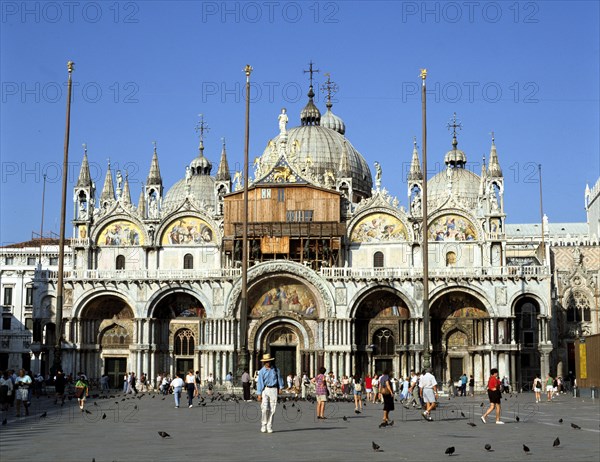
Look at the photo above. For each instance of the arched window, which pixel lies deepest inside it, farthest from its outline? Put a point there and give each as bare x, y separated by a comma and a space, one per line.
184, 342
378, 260
120, 264
188, 261
578, 307
450, 259
384, 342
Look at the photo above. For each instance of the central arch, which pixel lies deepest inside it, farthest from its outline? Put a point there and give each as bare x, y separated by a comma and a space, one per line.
288, 339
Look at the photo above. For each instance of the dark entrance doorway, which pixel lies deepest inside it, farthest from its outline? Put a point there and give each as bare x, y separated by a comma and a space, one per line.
456, 368
285, 360
183, 365
383, 365
116, 368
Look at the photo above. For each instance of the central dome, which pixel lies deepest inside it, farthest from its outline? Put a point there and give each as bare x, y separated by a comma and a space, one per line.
320, 149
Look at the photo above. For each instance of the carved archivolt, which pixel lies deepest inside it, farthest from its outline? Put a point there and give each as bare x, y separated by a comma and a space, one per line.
281, 269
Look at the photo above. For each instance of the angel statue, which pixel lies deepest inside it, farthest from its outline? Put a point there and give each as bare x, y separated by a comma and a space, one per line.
377, 175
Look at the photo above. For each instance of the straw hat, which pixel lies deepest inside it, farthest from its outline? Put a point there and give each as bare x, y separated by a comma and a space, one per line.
267, 358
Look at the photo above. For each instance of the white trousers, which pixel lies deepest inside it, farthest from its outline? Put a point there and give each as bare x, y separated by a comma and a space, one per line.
268, 406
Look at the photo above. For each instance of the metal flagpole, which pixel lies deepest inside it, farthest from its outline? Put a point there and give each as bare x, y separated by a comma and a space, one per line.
42, 223
542, 217
425, 231
57, 364
243, 359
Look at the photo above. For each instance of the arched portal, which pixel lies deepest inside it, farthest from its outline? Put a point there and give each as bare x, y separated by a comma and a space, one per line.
105, 332
285, 340
459, 328
527, 334
178, 318
381, 327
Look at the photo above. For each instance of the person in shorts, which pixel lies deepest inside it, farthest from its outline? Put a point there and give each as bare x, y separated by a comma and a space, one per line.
537, 388
321, 391
357, 391
428, 392
495, 396
82, 390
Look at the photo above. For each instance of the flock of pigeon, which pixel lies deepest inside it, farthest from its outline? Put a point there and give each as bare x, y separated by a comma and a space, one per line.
232, 398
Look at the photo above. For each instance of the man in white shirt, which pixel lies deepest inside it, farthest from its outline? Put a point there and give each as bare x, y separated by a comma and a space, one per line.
177, 386
428, 388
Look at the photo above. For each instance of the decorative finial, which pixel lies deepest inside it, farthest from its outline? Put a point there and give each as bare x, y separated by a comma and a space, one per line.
108, 163
248, 70
493, 139
154, 144
223, 140
329, 87
454, 125
311, 71
415, 142
70, 66
423, 74
84, 148
201, 128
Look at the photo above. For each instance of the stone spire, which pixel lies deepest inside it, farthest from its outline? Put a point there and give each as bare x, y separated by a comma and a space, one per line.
126, 195
344, 170
85, 179
494, 169
108, 190
154, 177
483, 178
223, 171
141, 208
415, 173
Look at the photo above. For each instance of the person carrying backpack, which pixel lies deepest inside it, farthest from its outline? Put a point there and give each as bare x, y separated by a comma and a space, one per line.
82, 390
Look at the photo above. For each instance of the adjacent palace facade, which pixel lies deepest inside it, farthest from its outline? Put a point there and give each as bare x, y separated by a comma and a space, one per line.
335, 270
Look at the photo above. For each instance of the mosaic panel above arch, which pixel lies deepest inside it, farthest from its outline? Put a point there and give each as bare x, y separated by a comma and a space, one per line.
458, 305
382, 306
121, 233
452, 227
379, 227
280, 295
188, 230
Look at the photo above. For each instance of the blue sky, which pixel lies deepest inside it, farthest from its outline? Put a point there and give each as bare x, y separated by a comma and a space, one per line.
529, 71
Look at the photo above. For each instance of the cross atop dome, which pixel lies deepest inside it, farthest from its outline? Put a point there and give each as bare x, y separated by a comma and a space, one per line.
311, 71
330, 88
454, 125
201, 128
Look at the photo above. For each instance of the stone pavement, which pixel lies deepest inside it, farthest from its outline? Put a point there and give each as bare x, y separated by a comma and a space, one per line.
226, 430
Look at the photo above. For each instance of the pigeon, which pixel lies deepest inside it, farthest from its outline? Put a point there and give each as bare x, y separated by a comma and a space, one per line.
153, 396
43, 415
450, 450
481, 405
284, 407
103, 416
4, 422
488, 447
345, 418
164, 398
575, 426
164, 435
560, 420
376, 447
556, 443
356, 411
383, 424
462, 414
293, 404
87, 412
517, 418
471, 424
95, 403
526, 449
135, 407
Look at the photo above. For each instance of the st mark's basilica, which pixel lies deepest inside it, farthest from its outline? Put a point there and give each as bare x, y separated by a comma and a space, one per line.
335, 267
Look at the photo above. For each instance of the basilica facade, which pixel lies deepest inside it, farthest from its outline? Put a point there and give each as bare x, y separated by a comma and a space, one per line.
335, 274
